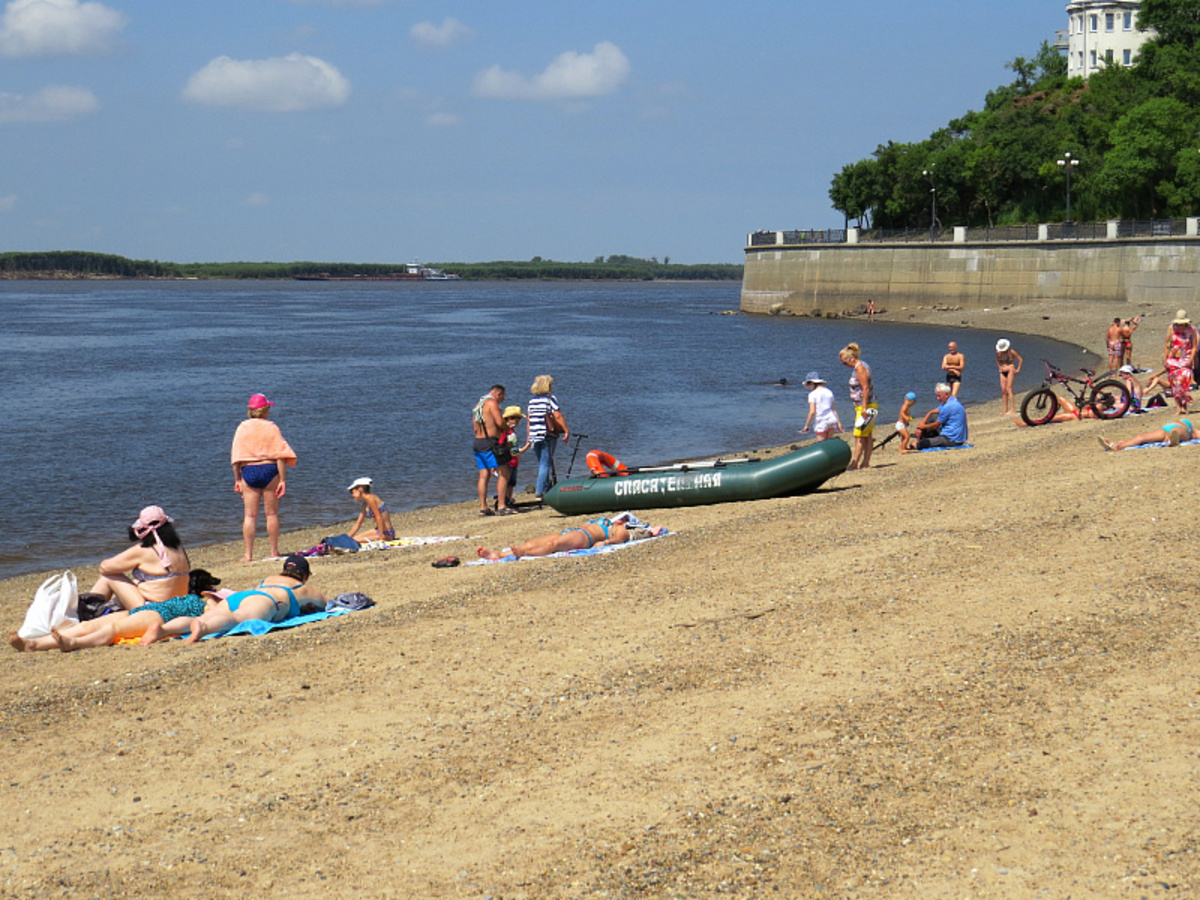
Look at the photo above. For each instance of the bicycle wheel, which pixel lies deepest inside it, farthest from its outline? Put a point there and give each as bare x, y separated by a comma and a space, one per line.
1039, 406
1110, 400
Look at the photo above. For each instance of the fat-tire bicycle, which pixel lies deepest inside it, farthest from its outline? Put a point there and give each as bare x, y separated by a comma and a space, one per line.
1108, 398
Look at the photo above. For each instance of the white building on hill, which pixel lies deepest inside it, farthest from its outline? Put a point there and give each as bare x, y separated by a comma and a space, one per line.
1100, 33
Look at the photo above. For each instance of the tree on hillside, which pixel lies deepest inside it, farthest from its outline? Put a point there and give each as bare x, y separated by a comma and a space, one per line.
1176, 22
1137, 177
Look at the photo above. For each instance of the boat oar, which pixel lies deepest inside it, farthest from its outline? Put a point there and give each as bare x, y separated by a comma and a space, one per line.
575, 452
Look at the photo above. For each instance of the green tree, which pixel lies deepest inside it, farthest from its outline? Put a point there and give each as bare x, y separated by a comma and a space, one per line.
1137, 176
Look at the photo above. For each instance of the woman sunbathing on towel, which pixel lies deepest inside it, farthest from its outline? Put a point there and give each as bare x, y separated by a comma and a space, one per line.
272, 601
595, 533
1173, 433
144, 623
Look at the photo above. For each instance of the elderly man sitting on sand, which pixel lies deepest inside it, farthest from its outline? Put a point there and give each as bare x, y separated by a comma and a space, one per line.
594, 533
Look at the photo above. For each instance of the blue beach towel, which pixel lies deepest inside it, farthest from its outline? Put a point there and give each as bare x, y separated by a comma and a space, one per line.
934, 449
262, 626
1163, 444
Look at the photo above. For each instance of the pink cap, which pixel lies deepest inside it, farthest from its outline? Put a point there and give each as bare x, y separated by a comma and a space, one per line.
258, 401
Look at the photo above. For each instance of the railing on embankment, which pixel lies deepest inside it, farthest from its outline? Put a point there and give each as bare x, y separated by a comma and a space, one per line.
836, 272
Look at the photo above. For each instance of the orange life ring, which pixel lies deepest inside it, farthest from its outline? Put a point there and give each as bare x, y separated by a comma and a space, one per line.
604, 464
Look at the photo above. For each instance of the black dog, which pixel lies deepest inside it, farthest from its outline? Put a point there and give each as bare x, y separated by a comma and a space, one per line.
202, 580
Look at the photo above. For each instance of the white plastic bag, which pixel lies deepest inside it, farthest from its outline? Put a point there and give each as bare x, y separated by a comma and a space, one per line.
55, 602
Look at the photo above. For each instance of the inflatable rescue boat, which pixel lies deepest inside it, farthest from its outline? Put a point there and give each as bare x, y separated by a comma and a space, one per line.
699, 483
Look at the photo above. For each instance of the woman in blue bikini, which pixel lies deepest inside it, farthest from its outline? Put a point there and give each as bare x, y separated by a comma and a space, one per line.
273, 600
595, 533
1172, 433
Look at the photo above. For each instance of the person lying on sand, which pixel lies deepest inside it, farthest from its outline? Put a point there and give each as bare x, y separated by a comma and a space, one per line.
144, 622
273, 600
1173, 433
594, 533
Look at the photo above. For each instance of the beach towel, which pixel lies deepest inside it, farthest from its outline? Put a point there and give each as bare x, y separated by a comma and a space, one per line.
260, 439
411, 542
322, 549
1163, 444
630, 520
261, 626
959, 447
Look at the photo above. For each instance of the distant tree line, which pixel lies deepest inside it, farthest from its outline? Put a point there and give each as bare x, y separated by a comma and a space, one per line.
72, 264
78, 264
1135, 131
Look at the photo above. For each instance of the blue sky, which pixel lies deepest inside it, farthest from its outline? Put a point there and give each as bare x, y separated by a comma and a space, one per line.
393, 130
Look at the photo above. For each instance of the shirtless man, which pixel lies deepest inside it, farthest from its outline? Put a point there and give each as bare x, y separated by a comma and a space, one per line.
953, 364
595, 533
1115, 344
1128, 327
488, 423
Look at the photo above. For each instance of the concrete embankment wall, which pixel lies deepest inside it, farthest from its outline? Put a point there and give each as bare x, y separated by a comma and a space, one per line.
833, 279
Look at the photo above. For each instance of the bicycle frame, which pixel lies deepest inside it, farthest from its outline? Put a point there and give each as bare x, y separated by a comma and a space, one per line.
1056, 376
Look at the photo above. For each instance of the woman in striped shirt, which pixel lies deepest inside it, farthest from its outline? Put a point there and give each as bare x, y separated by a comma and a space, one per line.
544, 424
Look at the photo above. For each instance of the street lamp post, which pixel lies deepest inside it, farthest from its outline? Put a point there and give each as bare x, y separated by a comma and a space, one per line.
928, 173
1067, 163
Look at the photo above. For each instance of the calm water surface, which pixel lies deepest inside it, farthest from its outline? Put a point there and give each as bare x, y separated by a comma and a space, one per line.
118, 395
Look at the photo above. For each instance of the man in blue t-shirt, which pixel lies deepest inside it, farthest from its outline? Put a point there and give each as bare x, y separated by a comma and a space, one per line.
951, 422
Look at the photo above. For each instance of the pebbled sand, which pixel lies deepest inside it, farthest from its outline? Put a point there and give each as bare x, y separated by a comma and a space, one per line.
959, 674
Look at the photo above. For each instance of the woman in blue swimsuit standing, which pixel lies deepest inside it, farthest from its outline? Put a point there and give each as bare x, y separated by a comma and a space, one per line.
274, 600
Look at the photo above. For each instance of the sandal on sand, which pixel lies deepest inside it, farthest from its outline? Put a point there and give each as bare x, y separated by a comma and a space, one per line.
486, 512
508, 511
1107, 445
447, 562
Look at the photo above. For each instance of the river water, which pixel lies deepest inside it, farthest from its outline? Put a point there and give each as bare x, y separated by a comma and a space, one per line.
117, 395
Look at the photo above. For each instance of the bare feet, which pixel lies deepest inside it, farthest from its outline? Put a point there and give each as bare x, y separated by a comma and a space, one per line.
247, 558
152, 635
196, 632
485, 553
65, 643
17, 642
1107, 445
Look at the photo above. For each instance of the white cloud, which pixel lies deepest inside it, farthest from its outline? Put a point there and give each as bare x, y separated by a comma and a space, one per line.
442, 119
570, 76
289, 84
440, 37
8, 202
49, 27
258, 199
57, 103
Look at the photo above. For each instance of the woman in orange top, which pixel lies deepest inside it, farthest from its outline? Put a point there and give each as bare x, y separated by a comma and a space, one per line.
260, 458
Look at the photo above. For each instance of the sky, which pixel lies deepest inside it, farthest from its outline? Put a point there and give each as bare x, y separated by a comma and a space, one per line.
388, 131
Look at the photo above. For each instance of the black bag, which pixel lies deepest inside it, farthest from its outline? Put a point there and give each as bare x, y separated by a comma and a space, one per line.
93, 606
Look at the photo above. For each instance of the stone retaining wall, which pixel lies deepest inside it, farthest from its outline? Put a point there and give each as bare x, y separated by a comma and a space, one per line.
830, 280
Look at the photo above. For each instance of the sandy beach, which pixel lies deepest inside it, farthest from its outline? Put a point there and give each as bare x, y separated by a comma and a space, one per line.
969, 673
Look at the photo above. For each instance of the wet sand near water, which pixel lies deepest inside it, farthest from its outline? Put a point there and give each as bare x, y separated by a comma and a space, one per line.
962, 673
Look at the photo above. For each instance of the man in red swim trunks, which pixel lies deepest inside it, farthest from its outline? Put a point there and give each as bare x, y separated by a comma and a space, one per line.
1115, 344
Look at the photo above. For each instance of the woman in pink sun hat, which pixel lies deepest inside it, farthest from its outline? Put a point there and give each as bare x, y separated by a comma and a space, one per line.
155, 568
260, 458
